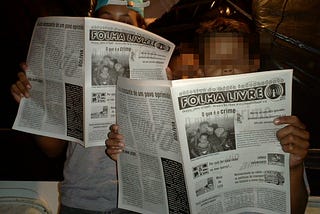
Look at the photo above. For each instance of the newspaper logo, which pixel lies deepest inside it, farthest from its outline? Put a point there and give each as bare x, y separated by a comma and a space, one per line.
162, 46
116, 36
274, 91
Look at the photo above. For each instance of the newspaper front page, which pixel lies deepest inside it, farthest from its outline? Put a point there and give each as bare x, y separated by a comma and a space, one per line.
221, 138
74, 63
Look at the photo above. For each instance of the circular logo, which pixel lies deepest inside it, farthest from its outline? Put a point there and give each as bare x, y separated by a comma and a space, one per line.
274, 91
162, 46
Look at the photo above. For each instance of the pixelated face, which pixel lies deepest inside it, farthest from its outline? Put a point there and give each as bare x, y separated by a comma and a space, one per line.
225, 54
119, 13
219, 54
189, 63
185, 64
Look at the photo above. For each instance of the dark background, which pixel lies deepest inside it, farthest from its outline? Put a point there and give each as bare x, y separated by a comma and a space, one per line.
20, 157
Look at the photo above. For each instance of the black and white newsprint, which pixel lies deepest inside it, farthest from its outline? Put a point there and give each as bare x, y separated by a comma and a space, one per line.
204, 145
74, 64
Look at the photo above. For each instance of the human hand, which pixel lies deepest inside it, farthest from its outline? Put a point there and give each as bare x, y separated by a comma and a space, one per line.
114, 143
294, 139
21, 88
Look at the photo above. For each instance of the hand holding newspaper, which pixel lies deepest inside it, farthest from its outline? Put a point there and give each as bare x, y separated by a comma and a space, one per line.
204, 145
74, 65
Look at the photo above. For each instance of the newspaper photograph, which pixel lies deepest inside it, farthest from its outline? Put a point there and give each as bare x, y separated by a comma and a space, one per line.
229, 155
74, 64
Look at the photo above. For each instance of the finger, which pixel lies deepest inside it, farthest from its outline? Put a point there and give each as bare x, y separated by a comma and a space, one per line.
291, 120
24, 66
292, 133
113, 149
297, 154
115, 136
290, 145
22, 89
16, 93
114, 144
112, 156
295, 146
295, 141
114, 128
24, 80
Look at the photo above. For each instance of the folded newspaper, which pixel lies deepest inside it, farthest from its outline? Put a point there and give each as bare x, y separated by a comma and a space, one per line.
204, 145
74, 63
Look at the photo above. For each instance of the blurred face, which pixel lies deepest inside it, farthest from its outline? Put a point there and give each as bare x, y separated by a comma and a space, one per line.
120, 13
221, 54
225, 54
186, 63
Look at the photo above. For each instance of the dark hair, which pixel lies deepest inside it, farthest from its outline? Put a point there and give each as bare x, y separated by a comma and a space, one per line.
224, 25
239, 27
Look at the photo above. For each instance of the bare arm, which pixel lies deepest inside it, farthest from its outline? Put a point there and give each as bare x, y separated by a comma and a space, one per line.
299, 194
294, 139
52, 147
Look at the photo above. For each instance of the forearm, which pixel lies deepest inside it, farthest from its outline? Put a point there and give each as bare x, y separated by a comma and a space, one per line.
299, 194
52, 147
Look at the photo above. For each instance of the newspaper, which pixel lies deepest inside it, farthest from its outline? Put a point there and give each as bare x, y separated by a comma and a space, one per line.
74, 63
239, 166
